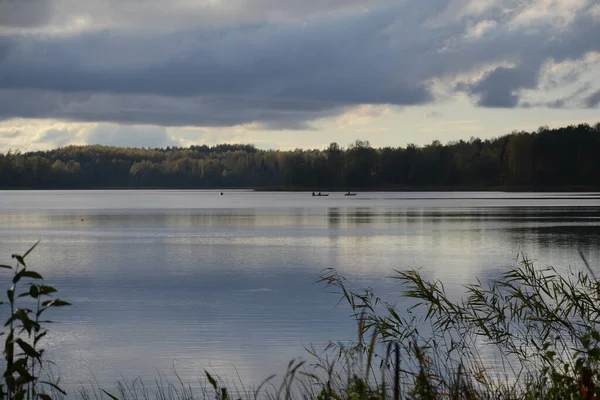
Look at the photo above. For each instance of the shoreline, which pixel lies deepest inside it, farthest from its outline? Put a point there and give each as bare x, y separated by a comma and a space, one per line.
509, 189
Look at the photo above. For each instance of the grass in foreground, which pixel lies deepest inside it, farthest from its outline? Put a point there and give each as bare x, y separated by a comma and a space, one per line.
529, 334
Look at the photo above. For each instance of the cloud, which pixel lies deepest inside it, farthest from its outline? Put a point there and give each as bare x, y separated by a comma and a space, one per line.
28, 134
434, 114
595, 11
208, 110
343, 60
558, 75
61, 15
129, 136
56, 137
573, 100
356, 119
499, 87
480, 29
593, 100
37, 134
27, 13
280, 65
280, 75
558, 13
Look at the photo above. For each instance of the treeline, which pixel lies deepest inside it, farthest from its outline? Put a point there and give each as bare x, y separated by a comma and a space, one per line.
548, 158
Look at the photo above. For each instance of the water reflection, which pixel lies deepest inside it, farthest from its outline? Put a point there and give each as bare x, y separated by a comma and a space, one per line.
230, 281
334, 217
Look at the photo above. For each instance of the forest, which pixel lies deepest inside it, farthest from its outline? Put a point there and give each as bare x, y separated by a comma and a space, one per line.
563, 158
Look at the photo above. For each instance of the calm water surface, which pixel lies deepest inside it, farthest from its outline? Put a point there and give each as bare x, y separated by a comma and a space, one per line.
196, 280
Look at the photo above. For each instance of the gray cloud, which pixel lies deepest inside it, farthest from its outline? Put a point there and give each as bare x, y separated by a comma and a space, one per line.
159, 110
559, 103
58, 137
528, 50
129, 136
161, 15
342, 60
282, 72
570, 77
571, 101
499, 87
280, 75
434, 114
25, 13
10, 134
593, 100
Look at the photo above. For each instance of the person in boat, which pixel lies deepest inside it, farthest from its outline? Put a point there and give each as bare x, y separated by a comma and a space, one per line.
319, 193
314, 194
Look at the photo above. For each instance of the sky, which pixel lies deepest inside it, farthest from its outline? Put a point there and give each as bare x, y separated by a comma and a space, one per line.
292, 74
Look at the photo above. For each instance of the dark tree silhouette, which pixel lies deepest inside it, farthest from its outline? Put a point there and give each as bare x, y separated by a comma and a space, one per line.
567, 157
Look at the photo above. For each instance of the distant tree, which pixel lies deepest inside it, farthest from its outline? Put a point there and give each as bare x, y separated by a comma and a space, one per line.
564, 156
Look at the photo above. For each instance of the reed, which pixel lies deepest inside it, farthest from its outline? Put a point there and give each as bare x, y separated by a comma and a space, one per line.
23, 370
531, 333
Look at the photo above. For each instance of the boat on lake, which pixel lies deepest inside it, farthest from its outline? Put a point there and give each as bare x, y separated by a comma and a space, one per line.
349, 194
320, 194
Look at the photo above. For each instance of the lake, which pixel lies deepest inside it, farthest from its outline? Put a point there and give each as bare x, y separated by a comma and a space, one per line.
193, 280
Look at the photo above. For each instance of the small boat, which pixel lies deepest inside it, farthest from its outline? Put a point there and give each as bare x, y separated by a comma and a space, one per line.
320, 194
349, 194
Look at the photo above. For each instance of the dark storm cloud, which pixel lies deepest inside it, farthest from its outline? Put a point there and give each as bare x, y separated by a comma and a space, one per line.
338, 60
279, 74
157, 110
